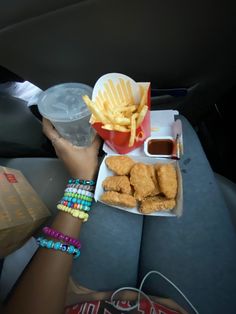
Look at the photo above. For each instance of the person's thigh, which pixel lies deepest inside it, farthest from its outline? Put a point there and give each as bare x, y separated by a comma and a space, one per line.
110, 238
196, 251
110, 249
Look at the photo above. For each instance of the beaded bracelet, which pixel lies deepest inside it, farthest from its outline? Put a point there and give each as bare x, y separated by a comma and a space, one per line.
68, 196
74, 203
78, 197
78, 192
84, 182
58, 246
83, 187
74, 212
61, 236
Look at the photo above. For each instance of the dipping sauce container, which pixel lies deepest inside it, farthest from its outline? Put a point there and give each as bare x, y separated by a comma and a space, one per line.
159, 146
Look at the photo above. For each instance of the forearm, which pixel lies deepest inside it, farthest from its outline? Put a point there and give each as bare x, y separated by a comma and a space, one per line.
42, 289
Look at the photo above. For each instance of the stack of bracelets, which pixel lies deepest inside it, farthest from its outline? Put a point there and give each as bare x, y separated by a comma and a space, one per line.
77, 201
66, 244
78, 197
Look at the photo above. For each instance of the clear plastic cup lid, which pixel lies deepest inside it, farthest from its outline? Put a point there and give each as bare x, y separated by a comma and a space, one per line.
64, 102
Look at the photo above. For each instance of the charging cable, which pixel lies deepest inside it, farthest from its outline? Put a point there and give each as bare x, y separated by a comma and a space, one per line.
139, 290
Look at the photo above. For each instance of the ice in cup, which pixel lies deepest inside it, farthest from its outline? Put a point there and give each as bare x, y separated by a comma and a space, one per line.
63, 105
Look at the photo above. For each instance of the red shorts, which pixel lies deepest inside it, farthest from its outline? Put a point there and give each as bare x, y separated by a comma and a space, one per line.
101, 307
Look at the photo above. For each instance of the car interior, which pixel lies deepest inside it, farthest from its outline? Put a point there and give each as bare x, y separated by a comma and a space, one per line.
185, 49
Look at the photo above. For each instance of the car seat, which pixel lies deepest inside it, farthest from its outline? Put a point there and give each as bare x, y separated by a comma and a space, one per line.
172, 44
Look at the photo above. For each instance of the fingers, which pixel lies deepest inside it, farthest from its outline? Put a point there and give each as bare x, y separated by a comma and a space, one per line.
49, 130
57, 140
96, 142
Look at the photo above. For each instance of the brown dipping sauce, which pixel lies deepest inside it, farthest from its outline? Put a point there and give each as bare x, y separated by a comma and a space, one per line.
160, 147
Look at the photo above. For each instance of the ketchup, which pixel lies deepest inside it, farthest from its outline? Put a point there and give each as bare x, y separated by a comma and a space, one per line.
160, 147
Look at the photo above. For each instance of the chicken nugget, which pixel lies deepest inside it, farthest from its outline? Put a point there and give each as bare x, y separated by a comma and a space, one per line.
141, 180
118, 184
121, 165
167, 179
154, 179
156, 203
118, 199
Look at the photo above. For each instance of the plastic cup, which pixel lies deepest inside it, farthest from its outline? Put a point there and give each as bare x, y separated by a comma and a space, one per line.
63, 105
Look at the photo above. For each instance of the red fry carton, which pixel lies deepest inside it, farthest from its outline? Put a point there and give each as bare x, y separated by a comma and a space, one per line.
116, 88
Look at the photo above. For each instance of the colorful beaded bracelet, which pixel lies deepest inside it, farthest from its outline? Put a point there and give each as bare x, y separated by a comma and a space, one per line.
81, 200
83, 187
73, 201
79, 192
85, 193
76, 206
74, 212
58, 246
61, 236
84, 182
69, 196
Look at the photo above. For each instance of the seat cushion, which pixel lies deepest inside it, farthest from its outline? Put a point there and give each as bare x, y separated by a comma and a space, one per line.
228, 189
21, 132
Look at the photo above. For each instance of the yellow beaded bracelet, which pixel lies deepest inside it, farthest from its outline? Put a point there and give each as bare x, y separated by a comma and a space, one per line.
74, 212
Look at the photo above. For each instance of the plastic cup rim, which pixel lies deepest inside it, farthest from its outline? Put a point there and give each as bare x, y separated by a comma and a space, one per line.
85, 114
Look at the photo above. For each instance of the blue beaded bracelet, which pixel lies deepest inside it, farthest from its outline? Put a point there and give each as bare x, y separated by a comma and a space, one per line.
58, 246
83, 182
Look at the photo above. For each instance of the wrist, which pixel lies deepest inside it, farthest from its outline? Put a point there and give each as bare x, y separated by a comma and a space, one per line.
67, 224
85, 174
78, 198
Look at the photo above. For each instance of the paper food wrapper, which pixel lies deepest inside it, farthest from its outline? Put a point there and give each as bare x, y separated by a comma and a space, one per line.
162, 122
21, 210
105, 172
115, 85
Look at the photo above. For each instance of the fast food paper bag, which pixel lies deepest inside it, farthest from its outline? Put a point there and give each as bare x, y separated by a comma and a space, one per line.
21, 210
115, 88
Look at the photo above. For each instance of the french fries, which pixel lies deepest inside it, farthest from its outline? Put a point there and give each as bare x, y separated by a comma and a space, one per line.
133, 129
141, 115
116, 110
